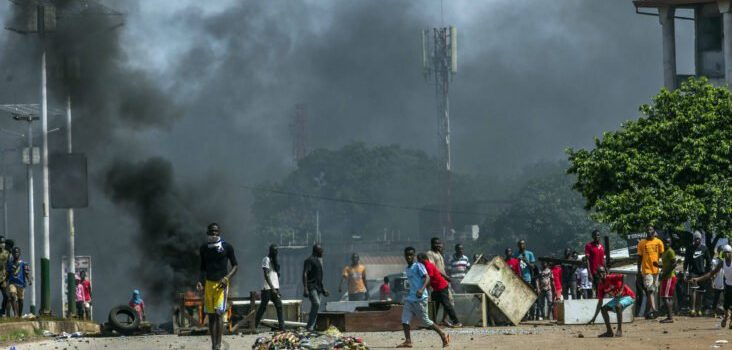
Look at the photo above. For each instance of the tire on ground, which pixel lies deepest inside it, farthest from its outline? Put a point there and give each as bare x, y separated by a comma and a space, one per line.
124, 327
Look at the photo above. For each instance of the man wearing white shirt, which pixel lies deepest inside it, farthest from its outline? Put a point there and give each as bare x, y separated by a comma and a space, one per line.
271, 289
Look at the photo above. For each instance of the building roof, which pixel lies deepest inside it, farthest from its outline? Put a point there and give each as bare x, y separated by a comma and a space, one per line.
382, 260
664, 3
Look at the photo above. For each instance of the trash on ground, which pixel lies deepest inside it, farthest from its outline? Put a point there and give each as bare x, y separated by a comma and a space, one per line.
330, 339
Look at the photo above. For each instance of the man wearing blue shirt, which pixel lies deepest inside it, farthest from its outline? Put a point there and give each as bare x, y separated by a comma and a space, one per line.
18, 278
415, 304
526, 264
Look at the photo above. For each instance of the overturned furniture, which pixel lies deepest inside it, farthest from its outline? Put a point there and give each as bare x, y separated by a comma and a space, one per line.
190, 319
507, 294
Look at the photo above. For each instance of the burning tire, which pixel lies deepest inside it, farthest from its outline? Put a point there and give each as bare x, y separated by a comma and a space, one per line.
124, 319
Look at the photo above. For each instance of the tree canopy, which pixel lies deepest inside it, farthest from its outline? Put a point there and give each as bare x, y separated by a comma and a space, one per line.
669, 167
332, 181
545, 211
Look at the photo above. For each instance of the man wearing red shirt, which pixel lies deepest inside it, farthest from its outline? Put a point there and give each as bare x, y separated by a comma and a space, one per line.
622, 296
595, 253
440, 293
513, 262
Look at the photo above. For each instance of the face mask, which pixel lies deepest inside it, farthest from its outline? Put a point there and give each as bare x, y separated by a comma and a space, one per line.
212, 238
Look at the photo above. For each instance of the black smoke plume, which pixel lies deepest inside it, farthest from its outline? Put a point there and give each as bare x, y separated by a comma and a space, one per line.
167, 236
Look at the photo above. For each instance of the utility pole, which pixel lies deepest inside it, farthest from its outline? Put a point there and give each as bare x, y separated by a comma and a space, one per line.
442, 61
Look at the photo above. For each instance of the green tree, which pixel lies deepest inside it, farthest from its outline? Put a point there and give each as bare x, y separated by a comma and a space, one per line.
669, 167
545, 211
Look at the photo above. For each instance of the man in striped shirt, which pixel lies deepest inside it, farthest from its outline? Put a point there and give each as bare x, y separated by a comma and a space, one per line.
458, 265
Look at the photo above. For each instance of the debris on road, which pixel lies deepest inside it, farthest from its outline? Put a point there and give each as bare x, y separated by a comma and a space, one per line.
330, 339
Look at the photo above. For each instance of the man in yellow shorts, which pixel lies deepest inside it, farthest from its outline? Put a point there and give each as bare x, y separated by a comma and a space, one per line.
214, 280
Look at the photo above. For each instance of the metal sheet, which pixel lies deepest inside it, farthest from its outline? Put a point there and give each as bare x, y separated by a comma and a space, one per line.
580, 311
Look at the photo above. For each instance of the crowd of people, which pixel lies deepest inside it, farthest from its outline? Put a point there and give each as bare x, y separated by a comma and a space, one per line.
436, 276
14, 278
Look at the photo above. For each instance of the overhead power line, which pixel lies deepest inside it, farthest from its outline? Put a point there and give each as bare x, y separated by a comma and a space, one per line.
372, 203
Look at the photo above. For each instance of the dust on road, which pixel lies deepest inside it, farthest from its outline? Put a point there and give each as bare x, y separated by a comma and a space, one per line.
686, 333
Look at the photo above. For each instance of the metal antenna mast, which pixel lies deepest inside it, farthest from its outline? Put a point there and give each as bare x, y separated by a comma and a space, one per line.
439, 57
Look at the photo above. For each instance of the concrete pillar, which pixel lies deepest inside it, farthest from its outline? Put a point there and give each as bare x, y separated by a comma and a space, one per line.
666, 17
724, 8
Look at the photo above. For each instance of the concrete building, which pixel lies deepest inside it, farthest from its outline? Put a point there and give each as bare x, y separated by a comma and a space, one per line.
712, 33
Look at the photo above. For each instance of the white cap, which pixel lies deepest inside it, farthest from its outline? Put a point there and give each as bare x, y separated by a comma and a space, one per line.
727, 248
697, 235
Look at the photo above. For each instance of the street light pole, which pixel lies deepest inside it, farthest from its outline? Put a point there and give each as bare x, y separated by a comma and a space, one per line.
71, 275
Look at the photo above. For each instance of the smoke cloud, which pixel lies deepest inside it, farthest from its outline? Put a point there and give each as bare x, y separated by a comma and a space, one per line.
208, 89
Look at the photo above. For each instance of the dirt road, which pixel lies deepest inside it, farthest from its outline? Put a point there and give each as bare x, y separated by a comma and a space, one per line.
686, 333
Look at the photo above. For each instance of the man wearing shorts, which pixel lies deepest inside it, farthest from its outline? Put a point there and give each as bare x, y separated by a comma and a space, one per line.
668, 280
214, 280
415, 304
649, 254
622, 296
696, 264
18, 277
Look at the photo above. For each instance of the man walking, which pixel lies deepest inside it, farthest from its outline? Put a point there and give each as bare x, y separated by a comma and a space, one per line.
457, 267
18, 278
271, 288
415, 304
312, 279
725, 268
595, 254
355, 275
214, 280
440, 293
649, 254
668, 279
622, 297
696, 264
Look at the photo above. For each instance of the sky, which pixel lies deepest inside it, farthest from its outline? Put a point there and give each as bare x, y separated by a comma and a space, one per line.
210, 88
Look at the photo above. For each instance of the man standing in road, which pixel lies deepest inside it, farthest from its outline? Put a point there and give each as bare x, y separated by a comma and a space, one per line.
696, 264
649, 254
415, 304
440, 293
4, 257
216, 255
513, 262
271, 288
312, 279
436, 257
595, 253
526, 265
355, 275
86, 290
668, 279
18, 278
458, 265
